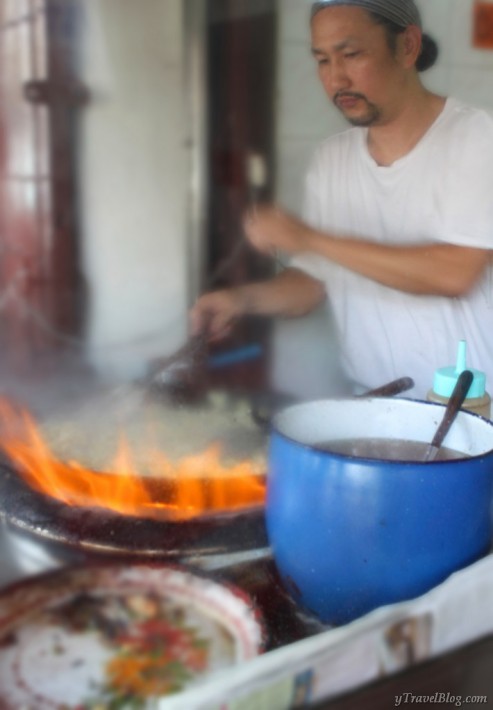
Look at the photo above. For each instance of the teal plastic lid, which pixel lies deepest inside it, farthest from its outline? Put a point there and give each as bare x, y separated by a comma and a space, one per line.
446, 377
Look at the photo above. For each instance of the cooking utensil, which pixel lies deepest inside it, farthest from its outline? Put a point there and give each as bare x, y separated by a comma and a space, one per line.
454, 404
183, 371
71, 532
391, 388
350, 534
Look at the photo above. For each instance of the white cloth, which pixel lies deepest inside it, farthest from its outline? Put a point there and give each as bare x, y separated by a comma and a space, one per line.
442, 191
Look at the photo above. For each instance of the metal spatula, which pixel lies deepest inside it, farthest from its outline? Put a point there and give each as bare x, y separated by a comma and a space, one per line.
182, 373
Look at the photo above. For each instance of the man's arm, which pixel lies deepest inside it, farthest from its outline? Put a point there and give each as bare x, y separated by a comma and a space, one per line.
437, 269
434, 269
291, 293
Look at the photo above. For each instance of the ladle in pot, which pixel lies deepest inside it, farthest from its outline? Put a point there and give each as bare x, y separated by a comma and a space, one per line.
455, 402
391, 388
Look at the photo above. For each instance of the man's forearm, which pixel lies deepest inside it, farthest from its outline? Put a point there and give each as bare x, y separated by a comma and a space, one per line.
290, 294
436, 269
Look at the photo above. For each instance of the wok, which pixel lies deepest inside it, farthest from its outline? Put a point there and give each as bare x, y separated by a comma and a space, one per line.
89, 432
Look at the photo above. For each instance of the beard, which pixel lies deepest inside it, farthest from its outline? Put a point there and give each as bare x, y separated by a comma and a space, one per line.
369, 117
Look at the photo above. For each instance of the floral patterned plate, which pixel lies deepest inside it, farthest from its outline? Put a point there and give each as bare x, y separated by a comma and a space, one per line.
118, 636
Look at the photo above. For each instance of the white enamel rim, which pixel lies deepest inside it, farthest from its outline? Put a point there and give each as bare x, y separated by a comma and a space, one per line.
310, 423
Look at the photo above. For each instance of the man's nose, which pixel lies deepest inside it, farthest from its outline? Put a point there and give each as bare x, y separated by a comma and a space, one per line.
336, 78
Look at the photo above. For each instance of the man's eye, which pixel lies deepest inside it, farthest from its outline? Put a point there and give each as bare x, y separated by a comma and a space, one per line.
321, 62
350, 55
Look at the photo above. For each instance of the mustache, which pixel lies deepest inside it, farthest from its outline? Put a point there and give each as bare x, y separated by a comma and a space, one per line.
348, 95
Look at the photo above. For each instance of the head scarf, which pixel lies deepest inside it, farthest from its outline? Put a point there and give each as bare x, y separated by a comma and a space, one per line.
402, 12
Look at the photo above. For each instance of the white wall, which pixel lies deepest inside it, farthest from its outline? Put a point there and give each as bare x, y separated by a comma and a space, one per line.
134, 182
305, 118
462, 71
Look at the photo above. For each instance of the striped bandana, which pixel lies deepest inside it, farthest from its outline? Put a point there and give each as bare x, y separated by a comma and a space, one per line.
402, 12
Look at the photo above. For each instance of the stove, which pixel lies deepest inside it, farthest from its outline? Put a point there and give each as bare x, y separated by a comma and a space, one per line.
105, 532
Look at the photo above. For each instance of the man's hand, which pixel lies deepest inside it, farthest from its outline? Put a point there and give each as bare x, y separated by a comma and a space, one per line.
269, 229
289, 294
215, 314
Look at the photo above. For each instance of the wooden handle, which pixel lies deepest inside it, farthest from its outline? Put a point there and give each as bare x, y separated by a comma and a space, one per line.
391, 388
455, 402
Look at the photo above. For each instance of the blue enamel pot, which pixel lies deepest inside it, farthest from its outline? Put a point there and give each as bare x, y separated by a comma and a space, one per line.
350, 534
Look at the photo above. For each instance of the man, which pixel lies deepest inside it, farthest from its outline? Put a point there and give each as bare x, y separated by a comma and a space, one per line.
398, 224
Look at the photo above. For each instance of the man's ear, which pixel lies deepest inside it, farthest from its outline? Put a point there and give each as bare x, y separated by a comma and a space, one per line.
411, 45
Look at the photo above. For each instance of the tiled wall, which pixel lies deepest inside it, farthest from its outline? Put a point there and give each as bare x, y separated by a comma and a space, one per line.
305, 117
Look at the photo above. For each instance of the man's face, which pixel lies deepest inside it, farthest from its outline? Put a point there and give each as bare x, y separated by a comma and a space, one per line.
358, 70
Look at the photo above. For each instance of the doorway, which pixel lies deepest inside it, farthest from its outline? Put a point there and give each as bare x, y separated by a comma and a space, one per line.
241, 78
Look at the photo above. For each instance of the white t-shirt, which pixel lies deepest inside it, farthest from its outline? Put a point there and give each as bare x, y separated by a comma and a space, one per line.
442, 191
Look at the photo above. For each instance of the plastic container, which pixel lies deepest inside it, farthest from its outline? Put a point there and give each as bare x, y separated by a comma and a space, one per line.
477, 401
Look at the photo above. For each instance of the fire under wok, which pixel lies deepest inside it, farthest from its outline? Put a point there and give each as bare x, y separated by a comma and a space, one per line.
155, 478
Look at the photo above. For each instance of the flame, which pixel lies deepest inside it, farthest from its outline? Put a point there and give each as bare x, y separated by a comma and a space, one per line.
193, 486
